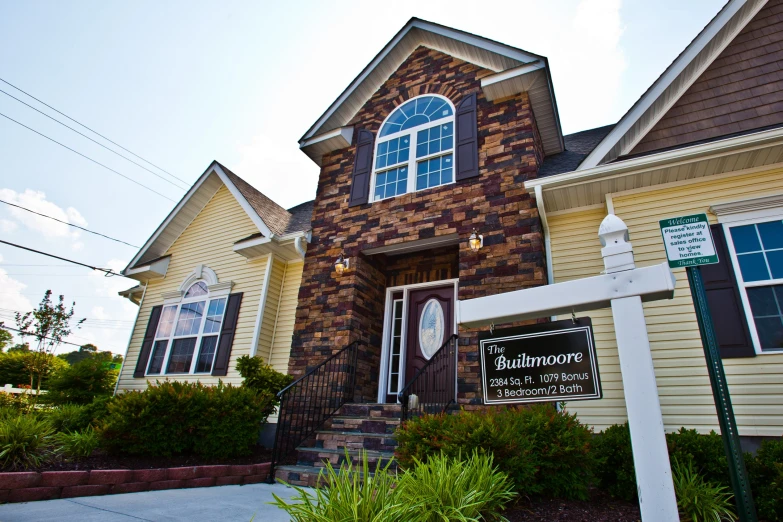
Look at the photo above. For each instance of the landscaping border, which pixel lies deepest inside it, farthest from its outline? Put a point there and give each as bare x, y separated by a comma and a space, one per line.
26, 486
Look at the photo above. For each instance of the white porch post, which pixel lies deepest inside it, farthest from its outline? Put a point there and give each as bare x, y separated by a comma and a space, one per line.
657, 501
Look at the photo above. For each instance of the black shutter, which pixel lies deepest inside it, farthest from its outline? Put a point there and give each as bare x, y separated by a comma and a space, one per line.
723, 299
362, 169
149, 340
227, 334
467, 138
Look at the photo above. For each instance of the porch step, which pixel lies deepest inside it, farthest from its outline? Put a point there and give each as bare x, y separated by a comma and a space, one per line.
357, 429
355, 440
318, 457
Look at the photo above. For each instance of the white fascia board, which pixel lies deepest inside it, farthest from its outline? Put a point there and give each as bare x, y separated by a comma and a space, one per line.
511, 73
591, 293
345, 132
250, 243
756, 140
662, 83
252, 214
414, 23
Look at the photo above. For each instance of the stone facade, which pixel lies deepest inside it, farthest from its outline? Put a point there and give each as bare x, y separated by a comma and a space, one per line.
336, 310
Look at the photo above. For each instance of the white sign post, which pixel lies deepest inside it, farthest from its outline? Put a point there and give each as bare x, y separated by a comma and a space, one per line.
623, 287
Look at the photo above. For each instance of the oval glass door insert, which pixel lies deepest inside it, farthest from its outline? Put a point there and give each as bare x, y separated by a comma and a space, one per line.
431, 328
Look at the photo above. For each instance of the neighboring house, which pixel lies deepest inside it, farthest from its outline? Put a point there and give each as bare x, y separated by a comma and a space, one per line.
218, 280
707, 137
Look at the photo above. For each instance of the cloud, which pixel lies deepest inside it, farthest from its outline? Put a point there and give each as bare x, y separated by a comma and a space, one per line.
36, 201
11, 296
8, 226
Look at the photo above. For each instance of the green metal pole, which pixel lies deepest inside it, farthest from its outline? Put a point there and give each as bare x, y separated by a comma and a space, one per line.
720, 391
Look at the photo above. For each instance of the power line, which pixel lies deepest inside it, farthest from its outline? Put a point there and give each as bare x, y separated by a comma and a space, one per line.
66, 223
47, 338
93, 131
108, 271
87, 157
94, 141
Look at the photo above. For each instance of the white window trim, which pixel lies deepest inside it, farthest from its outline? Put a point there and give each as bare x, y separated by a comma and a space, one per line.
216, 290
391, 335
412, 159
750, 217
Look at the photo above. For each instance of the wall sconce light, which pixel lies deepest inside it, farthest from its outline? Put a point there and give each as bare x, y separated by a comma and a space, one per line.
475, 241
342, 264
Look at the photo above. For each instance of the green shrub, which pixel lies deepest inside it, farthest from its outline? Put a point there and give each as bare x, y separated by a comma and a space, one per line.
16, 401
456, 489
615, 469
81, 383
697, 499
25, 441
261, 377
442, 489
77, 444
614, 462
66, 417
765, 472
544, 452
354, 494
706, 452
171, 418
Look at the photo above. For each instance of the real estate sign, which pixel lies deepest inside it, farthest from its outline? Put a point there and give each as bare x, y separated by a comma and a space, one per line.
688, 241
540, 363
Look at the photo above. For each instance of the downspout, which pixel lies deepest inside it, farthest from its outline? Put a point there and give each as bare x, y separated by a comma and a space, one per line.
130, 338
299, 245
550, 275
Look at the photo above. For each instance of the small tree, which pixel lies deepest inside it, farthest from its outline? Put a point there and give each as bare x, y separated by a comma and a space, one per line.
5, 337
21, 347
48, 325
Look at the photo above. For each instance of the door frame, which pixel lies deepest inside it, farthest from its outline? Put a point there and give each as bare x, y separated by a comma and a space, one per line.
388, 309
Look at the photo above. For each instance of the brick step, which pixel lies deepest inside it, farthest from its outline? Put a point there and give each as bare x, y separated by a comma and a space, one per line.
318, 457
372, 410
306, 476
354, 440
362, 424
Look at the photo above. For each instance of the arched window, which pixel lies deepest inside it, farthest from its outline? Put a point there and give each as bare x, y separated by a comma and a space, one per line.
415, 148
184, 329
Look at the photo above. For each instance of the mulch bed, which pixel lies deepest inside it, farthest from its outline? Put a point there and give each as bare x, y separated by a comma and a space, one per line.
102, 460
600, 508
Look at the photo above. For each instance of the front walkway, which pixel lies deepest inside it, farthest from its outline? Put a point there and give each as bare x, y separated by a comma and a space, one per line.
225, 503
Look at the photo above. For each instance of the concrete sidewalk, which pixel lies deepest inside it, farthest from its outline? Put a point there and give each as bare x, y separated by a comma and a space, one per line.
225, 503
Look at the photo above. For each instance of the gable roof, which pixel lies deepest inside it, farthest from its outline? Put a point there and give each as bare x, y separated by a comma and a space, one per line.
673, 82
271, 219
486, 53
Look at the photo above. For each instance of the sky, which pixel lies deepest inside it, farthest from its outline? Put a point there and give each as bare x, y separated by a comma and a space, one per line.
182, 83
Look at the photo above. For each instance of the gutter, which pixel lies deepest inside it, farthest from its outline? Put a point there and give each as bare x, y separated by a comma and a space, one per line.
745, 143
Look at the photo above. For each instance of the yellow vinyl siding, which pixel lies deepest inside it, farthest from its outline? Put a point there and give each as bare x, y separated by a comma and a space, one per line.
265, 339
680, 369
208, 240
286, 316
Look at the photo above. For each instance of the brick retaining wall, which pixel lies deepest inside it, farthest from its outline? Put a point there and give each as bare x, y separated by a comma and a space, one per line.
32, 485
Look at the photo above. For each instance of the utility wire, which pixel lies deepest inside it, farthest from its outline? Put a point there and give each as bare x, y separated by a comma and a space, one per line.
107, 271
66, 223
93, 131
94, 141
87, 157
47, 338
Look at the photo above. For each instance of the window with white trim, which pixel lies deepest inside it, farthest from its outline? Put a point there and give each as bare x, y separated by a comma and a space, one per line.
187, 335
757, 251
415, 148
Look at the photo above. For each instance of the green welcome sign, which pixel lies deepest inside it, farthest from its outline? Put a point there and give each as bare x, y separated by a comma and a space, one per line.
688, 241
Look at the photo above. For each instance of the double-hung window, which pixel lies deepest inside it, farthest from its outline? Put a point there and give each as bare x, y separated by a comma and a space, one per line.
187, 335
415, 148
757, 252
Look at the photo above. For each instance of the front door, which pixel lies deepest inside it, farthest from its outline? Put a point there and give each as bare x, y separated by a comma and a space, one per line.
429, 322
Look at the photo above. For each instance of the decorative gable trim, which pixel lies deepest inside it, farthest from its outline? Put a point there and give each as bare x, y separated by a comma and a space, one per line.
674, 82
474, 49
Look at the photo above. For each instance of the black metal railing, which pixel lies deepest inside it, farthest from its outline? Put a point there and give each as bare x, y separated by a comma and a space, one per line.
307, 403
434, 387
